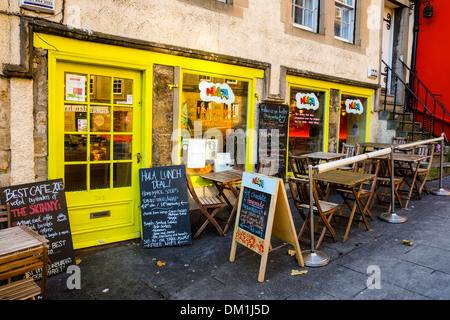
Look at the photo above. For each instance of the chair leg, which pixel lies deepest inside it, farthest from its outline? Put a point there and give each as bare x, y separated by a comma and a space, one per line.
210, 218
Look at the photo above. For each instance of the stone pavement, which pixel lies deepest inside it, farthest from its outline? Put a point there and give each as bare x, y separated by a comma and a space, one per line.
202, 271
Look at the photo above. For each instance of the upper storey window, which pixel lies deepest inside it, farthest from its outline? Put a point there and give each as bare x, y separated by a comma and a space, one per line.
306, 14
344, 21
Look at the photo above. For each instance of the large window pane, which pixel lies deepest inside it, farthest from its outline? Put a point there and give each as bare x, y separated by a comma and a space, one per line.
306, 120
219, 106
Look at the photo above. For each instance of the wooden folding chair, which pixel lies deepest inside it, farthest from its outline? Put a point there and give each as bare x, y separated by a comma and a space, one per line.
298, 166
369, 166
323, 209
267, 167
5, 216
209, 206
350, 150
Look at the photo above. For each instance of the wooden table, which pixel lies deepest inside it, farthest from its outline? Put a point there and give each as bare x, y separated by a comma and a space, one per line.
225, 180
354, 182
23, 250
410, 159
374, 145
315, 157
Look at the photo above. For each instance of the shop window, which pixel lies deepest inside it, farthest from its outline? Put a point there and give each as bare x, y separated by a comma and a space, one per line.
214, 122
305, 14
352, 126
344, 21
306, 120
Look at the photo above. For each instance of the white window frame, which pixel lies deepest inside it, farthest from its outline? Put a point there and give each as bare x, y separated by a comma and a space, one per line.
343, 5
315, 15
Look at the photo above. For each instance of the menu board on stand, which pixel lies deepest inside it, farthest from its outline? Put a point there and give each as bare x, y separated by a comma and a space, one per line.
273, 127
263, 211
164, 206
42, 207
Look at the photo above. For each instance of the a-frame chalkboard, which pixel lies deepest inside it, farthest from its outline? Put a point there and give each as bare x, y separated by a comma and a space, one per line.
42, 207
263, 211
164, 206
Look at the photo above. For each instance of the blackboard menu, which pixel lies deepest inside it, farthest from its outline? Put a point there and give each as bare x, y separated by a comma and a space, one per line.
254, 211
273, 126
164, 206
42, 207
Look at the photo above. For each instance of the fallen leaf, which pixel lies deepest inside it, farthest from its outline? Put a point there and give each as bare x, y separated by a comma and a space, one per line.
77, 261
298, 272
159, 263
291, 252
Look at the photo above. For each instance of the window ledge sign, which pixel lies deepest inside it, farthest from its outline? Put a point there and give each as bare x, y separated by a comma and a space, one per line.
307, 101
38, 5
354, 106
216, 92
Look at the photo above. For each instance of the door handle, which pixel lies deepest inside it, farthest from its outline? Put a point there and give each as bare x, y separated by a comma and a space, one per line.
138, 156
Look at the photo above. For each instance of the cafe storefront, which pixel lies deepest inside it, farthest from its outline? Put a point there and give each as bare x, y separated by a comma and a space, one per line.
113, 110
323, 115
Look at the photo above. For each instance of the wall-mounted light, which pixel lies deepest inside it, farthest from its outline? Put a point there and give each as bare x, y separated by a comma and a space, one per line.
428, 11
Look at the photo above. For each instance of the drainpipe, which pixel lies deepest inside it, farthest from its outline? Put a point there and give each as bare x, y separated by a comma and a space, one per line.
414, 45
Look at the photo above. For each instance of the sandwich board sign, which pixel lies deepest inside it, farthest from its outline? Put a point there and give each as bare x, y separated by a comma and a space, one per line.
263, 211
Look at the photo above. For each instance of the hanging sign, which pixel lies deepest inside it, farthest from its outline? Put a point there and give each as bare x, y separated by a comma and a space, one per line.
216, 92
263, 211
42, 207
354, 106
307, 101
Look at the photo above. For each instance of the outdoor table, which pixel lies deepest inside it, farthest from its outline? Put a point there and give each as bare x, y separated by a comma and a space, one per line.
315, 157
225, 180
18, 242
354, 182
410, 159
374, 145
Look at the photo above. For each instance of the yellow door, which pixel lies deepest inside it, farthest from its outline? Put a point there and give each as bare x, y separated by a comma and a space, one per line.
95, 146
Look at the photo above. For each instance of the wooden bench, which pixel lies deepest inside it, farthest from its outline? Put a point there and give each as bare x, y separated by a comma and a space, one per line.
22, 251
20, 290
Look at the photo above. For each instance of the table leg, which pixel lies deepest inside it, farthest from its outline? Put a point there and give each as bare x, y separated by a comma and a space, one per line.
413, 182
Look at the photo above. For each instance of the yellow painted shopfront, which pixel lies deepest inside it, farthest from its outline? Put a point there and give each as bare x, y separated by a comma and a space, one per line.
324, 115
103, 103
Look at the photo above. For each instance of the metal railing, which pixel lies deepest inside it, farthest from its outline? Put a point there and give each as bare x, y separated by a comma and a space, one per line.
412, 102
317, 258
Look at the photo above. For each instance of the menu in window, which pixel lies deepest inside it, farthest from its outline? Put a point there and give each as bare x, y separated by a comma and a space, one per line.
75, 87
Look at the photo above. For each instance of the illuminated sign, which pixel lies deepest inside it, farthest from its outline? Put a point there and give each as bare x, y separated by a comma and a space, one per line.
216, 92
354, 106
307, 101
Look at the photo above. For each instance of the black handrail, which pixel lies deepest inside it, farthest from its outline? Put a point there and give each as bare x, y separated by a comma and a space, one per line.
425, 87
409, 92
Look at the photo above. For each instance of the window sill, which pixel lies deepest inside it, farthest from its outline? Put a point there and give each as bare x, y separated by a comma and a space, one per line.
343, 40
299, 26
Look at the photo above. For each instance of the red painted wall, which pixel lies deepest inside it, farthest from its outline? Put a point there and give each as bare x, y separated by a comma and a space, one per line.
433, 54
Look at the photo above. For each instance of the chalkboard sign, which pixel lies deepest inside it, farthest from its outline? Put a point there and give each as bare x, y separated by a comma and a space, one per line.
164, 206
273, 124
263, 211
254, 211
42, 207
